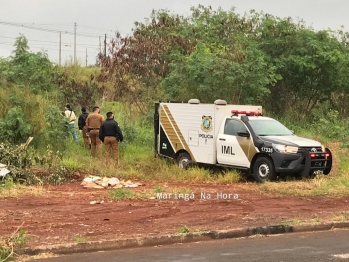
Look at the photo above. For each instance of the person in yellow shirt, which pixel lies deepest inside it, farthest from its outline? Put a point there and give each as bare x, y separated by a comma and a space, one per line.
93, 123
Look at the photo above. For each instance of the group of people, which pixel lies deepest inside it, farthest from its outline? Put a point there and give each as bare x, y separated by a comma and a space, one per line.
95, 131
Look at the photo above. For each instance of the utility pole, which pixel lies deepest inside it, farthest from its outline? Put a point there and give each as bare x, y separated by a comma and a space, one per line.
74, 43
60, 48
100, 46
100, 52
105, 45
86, 57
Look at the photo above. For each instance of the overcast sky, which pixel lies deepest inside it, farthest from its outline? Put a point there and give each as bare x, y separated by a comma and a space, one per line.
96, 18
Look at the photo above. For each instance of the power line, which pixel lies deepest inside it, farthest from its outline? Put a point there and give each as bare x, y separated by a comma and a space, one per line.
28, 39
53, 42
32, 23
96, 28
63, 25
48, 48
65, 50
47, 29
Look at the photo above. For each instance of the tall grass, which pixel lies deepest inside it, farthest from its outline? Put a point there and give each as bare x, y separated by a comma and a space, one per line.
137, 161
136, 154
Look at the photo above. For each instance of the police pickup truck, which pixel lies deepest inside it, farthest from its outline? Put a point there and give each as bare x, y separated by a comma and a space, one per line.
235, 136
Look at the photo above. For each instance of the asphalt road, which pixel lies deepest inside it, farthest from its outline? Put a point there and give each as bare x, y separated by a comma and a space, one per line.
318, 246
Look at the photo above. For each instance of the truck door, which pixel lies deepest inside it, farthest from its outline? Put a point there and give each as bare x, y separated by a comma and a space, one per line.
229, 148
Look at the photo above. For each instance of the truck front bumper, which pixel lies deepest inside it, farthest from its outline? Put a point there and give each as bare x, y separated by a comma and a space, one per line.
303, 163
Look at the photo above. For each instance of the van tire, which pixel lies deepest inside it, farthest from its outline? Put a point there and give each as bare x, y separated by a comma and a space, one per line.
184, 160
264, 170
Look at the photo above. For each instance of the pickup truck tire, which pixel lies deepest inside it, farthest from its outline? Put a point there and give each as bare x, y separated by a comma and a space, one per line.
184, 160
263, 169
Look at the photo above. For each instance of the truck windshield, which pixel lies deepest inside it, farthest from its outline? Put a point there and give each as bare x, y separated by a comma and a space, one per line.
269, 127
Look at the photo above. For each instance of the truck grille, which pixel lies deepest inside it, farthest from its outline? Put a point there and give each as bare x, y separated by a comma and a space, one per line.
318, 149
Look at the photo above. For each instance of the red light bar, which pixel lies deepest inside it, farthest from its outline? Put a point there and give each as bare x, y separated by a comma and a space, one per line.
327, 155
312, 155
244, 112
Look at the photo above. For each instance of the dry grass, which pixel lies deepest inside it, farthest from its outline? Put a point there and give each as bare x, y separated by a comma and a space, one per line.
292, 222
24, 258
344, 216
16, 191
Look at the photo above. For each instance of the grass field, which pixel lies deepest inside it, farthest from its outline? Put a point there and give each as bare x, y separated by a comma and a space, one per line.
137, 162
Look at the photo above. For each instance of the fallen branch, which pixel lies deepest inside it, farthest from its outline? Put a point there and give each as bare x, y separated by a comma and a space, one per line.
24, 146
11, 243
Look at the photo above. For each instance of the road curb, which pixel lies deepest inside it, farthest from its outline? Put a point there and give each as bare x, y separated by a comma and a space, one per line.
179, 238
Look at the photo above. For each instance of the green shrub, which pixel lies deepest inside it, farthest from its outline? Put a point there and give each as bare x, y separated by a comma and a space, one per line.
17, 160
56, 130
121, 193
15, 127
7, 246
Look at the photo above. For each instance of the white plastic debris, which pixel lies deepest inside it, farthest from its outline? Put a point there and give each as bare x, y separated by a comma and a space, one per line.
113, 181
88, 180
131, 185
3, 170
96, 202
95, 178
105, 182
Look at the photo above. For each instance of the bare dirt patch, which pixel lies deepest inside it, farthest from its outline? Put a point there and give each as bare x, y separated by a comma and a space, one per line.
64, 213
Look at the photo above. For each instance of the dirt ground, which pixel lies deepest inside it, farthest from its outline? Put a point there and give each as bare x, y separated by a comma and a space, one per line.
64, 214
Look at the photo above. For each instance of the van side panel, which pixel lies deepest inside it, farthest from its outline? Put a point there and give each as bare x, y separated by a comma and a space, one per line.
156, 128
165, 146
191, 128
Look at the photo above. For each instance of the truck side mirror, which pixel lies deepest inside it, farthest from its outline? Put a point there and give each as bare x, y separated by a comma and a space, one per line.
243, 133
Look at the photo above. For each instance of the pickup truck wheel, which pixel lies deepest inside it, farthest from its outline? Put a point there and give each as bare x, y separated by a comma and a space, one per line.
184, 160
263, 170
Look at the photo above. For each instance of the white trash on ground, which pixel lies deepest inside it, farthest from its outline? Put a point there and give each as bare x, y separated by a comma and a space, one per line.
106, 182
3, 170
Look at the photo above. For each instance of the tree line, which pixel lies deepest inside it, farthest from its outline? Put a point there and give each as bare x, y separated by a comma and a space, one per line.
288, 68
257, 58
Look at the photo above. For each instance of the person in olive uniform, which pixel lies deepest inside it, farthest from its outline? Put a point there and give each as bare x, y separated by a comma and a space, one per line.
94, 122
110, 134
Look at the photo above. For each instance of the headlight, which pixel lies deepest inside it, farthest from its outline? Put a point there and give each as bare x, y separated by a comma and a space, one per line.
285, 149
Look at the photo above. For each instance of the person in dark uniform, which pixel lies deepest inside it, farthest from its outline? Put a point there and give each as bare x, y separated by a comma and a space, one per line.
83, 127
110, 134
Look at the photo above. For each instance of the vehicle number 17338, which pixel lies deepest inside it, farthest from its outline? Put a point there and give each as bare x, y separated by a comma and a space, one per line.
267, 149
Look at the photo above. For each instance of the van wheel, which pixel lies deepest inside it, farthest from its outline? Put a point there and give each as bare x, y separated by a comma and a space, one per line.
184, 160
263, 170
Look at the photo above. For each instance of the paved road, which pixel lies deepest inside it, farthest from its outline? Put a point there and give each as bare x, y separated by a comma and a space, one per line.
319, 246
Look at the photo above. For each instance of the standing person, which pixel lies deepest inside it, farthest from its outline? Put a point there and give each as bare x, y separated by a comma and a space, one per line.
83, 127
110, 134
70, 115
94, 122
